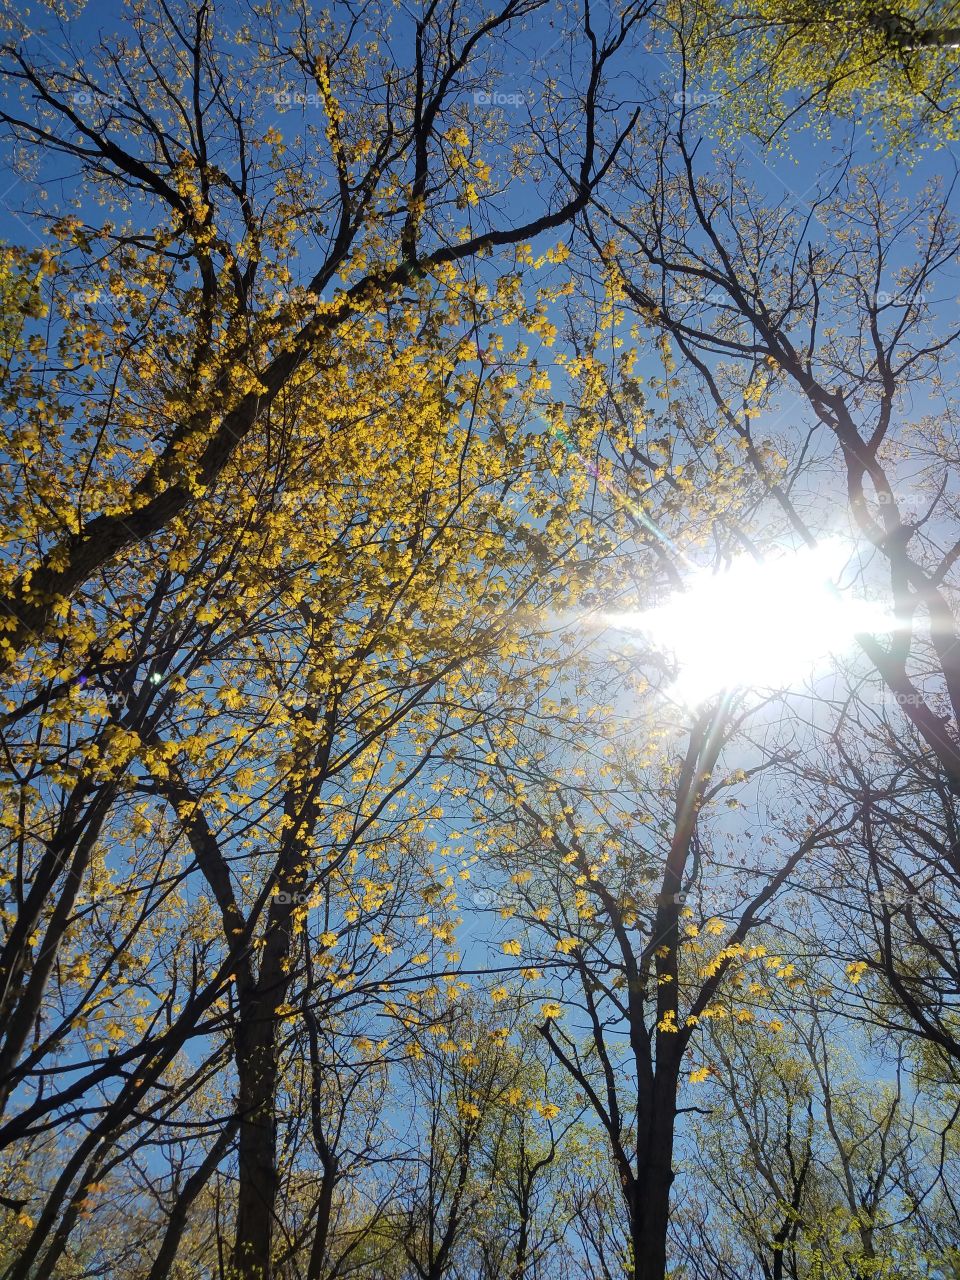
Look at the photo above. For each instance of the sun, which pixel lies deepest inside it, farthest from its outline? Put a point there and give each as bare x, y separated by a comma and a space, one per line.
758, 624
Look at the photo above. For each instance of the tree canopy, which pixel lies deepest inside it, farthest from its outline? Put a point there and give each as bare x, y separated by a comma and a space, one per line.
480, 712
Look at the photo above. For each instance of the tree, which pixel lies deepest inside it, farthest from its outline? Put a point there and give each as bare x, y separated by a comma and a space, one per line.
609, 847
237, 257
842, 1177
751, 334
279, 718
230, 596
837, 325
774, 66
347, 425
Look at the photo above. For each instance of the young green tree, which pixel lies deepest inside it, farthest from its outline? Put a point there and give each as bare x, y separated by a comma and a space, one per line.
776, 66
805, 1165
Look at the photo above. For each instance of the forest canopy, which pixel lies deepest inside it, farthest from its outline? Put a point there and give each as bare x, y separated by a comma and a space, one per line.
479, 641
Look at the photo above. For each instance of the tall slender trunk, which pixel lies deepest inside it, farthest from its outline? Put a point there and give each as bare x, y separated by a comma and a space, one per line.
258, 1078
650, 1201
21, 996
257, 1179
328, 1157
523, 1237
321, 1234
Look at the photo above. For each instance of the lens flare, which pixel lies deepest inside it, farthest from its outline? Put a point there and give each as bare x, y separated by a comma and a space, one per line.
757, 624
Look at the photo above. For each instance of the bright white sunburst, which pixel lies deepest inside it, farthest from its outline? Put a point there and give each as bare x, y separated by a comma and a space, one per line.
757, 624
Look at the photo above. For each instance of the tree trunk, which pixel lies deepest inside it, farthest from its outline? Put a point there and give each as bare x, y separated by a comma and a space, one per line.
321, 1234
257, 1070
650, 1210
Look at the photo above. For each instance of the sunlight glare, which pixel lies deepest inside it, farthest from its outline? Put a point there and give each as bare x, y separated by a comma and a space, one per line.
757, 624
